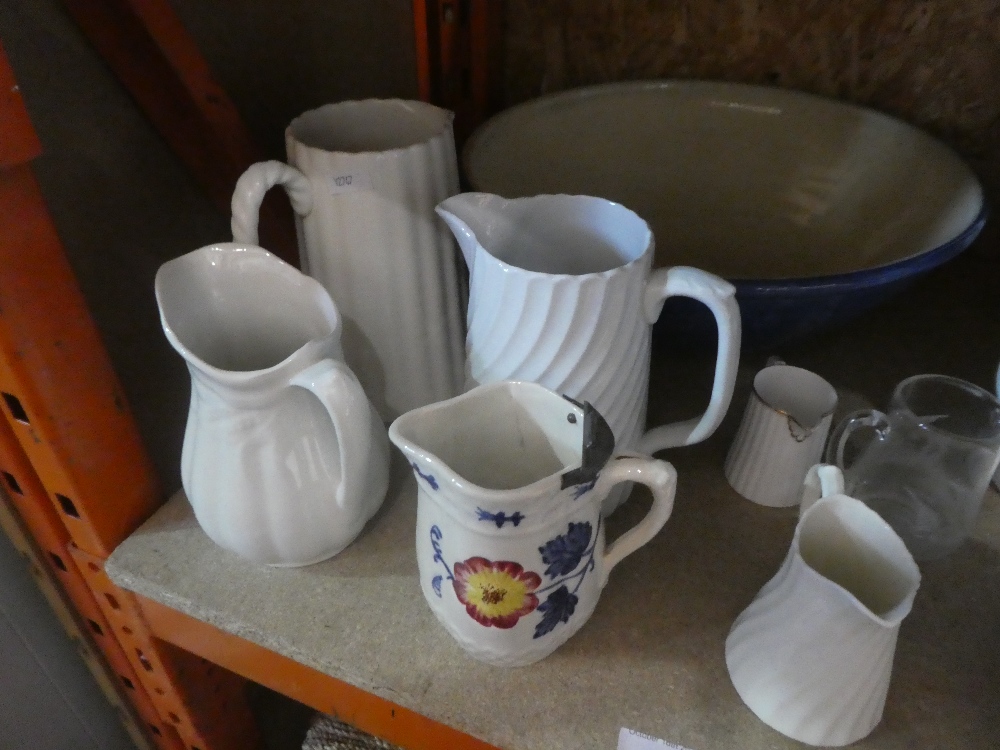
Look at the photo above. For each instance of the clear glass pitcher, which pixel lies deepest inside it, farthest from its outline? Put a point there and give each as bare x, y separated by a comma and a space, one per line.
928, 461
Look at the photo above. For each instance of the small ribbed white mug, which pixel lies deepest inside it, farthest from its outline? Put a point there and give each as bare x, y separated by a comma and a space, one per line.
782, 434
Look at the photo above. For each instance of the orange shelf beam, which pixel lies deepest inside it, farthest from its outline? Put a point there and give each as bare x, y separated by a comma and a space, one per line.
149, 50
58, 389
329, 695
74, 466
19, 144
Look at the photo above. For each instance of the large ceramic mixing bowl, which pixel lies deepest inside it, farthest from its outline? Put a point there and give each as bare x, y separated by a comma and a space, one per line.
815, 209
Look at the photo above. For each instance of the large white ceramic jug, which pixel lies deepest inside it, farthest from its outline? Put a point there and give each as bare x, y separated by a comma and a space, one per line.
561, 294
284, 458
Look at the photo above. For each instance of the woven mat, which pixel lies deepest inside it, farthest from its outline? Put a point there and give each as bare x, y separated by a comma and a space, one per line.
328, 733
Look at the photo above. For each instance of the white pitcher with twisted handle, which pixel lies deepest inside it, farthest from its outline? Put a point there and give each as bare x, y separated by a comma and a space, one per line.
561, 294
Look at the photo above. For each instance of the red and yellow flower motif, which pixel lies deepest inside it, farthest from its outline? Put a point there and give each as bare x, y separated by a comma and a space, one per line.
495, 594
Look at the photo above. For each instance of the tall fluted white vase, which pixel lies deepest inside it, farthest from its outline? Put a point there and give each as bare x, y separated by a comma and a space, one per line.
812, 655
364, 179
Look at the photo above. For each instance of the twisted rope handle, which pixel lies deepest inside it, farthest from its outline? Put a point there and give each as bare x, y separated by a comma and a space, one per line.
250, 190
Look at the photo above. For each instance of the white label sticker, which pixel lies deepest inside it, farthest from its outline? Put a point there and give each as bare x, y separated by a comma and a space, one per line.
629, 739
350, 182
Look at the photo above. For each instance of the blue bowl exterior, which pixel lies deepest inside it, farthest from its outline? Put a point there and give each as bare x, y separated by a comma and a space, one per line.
781, 312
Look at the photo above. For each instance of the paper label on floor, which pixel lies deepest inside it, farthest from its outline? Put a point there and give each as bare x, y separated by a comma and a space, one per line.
350, 182
629, 739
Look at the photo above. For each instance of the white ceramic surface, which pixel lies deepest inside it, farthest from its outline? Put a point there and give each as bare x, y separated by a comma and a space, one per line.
782, 434
284, 458
561, 294
365, 177
747, 182
812, 654
510, 539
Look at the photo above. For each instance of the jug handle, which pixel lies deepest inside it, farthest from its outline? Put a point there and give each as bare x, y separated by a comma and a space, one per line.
822, 480
720, 297
843, 432
661, 478
338, 389
249, 193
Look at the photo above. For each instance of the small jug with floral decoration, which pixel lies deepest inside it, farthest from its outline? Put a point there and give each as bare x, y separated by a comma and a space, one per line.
510, 540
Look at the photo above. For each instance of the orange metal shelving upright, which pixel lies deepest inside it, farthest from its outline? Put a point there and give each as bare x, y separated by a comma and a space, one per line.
459, 57
71, 460
73, 463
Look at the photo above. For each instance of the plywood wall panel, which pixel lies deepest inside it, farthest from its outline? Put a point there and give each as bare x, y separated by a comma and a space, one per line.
932, 62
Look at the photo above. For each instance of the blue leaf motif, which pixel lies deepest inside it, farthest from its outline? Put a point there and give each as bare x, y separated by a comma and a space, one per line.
436, 585
559, 606
429, 478
500, 518
436, 536
564, 553
582, 489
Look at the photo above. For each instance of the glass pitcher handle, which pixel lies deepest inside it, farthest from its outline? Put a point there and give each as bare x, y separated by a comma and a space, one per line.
720, 297
854, 421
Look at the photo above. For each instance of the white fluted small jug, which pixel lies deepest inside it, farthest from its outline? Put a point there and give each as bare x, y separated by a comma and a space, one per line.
812, 655
782, 434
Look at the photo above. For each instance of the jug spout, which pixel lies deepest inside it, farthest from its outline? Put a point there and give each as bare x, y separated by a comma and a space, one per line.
504, 442
237, 309
469, 215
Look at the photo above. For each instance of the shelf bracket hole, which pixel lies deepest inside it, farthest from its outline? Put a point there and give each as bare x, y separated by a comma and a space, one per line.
67, 506
143, 660
58, 562
16, 410
12, 483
